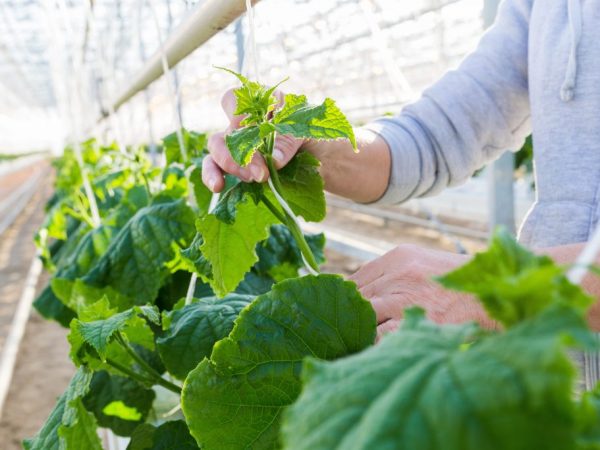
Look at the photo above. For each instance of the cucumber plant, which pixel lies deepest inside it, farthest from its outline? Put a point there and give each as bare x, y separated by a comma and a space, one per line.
263, 358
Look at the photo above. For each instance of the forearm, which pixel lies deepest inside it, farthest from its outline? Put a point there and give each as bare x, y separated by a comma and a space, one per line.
363, 176
567, 255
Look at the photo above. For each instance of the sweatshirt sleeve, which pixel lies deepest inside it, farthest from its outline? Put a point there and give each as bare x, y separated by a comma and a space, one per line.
466, 119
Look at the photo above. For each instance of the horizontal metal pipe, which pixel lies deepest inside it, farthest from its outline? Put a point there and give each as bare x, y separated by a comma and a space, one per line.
210, 17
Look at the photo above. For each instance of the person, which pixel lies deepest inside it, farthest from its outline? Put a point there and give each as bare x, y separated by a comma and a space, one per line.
536, 70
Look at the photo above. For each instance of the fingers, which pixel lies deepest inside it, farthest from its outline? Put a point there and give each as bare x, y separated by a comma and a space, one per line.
386, 328
383, 311
212, 177
367, 273
285, 148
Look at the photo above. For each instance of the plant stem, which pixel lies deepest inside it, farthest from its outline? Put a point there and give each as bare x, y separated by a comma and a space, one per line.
128, 372
155, 376
291, 222
276, 212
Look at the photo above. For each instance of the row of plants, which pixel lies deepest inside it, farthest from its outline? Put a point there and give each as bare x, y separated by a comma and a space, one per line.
256, 356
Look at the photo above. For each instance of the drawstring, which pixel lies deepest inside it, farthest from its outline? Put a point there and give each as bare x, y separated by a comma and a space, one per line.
567, 90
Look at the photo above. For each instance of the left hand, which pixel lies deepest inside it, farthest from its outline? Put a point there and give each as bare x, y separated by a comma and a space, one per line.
403, 277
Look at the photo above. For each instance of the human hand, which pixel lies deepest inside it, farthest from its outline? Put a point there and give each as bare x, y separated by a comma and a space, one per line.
403, 277
219, 160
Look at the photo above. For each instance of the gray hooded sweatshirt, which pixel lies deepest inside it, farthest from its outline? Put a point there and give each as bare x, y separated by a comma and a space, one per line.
536, 70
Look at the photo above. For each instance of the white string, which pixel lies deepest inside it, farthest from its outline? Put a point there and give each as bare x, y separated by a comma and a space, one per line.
170, 82
586, 258
252, 37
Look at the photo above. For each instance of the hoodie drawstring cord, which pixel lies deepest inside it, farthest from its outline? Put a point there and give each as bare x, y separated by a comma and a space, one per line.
567, 90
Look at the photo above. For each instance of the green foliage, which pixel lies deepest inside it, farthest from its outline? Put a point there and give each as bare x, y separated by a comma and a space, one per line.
230, 248
135, 264
118, 403
50, 307
513, 283
454, 386
193, 142
169, 436
193, 330
286, 365
234, 399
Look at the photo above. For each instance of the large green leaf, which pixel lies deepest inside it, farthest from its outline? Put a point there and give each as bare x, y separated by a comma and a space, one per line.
118, 403
172, 435
69, 426
302, 120
194, 329
428, 387
234, 400
231, 248
135, 263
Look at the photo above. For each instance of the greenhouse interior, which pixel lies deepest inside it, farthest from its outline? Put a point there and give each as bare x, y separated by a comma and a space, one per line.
299, 224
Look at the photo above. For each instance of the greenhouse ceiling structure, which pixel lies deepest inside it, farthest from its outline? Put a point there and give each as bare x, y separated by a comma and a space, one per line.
378, 56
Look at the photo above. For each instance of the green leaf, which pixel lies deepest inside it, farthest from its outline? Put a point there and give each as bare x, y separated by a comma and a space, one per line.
429, 387
69, 425
235, 399
195, 328
135, 264
118, 403
175, 183
253, 99
225, 210
513, 283
243, 143
231, 248
303, 187
193, 260
169, 436
79, 262
51, 308
98, 334
304, 121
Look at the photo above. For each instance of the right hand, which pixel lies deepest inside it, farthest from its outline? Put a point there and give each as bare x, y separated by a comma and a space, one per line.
219, 160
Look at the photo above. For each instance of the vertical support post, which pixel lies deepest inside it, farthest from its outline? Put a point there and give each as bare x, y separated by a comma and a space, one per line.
501, 178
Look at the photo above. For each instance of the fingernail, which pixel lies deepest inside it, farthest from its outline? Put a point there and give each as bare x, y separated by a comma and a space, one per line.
278, 155
257, 172
212, 182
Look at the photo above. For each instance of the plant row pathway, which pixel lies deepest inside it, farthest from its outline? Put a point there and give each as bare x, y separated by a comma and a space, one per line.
42, 371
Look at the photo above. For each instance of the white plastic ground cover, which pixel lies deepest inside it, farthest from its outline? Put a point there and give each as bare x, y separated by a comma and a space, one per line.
10, 350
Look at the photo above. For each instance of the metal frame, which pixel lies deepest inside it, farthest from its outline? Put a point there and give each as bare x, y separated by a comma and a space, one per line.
206, 20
